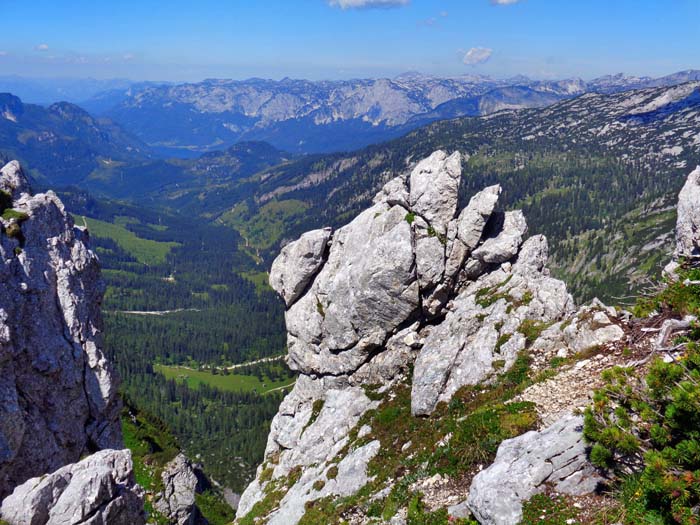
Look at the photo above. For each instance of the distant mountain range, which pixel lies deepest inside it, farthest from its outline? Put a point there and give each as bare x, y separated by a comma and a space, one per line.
315, 117
301, 116
597, 174
62, 143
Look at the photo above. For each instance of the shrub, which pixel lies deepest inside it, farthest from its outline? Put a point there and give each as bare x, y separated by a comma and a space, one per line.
531, 329
651, 425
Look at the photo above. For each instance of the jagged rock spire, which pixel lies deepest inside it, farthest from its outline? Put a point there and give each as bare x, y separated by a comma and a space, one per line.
59, 393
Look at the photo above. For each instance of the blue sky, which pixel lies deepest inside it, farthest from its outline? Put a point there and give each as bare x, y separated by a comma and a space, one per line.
326, 39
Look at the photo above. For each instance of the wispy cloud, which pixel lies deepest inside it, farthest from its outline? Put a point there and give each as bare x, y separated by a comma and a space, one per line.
3, 53
433, 20
477, 55
128, 57
504, 2
367, 4
41, 47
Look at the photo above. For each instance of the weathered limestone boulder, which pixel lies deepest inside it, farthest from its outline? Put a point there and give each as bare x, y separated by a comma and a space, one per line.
505, 235
366, 288
58, 392
525, 465
98, 490
298, 262
182, 482
12, 180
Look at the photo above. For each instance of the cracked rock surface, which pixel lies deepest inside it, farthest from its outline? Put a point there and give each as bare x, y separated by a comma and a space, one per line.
99, 490
182, 480
58, 393
555, 456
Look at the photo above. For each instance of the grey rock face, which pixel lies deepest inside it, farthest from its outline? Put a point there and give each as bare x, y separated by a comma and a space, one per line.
479, 336
298, 262
434, 188
555, 456
99, 490
409, 280
507, 236
688, 223
366, 288
12, 180
473, 218
300, 437
58, 392
177, 501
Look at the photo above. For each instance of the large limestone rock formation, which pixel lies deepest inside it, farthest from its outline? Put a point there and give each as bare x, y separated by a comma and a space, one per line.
58, 394
412, 279
99, 490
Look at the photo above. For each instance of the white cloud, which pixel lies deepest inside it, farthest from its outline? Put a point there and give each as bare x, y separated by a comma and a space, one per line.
42, 47
3, 53
504, 2
366, 4
477, 55
128, 56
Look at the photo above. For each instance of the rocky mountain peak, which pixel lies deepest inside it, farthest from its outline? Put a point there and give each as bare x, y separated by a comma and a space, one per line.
59, 392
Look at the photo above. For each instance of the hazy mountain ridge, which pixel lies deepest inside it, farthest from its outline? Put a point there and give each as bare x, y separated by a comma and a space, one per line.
322, 116
63, 142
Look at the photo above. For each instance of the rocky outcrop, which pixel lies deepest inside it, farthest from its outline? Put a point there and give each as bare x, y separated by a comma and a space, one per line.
525, 465
98, 490
456, 296
687, 223
181, 481
412, 279
58, 392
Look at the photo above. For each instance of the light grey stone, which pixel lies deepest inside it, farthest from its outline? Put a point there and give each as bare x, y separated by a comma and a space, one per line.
430, 255
504, 240
688, 222
525, 465
393, 193
434, 188
473, 218
13, 180
468, 346
297, 264
365, 290
177, 500
98, 490
69, 402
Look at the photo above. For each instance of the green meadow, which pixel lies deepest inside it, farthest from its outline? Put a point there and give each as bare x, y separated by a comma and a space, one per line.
146, 251
231, 382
